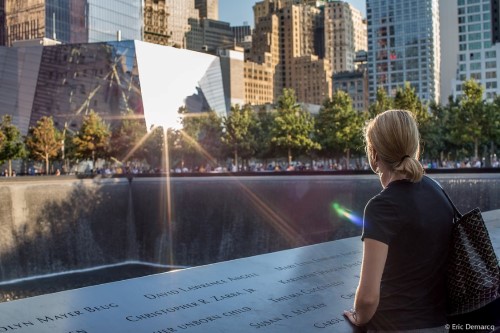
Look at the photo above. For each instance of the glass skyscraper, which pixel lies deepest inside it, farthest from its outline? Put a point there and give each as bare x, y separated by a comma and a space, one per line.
73, 21
404, 46
478, 57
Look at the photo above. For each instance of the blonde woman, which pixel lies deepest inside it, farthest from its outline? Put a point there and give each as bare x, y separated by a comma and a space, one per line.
406, 235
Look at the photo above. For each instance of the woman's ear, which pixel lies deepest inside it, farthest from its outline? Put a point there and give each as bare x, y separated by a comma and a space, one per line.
373, 154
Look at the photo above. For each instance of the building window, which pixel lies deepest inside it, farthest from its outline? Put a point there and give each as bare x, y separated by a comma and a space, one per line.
475, 76
475, 46
475, 66
491, 75
475, 56
491, 64
490, 54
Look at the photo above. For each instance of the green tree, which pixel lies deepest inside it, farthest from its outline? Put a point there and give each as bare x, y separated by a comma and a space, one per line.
210, 137
188, 143
339, 126
201, 137
262, 132
382, 103
44, 141
126, 138
492, 128
436, 142
154, 148
68, 151
471, 118
238, 135
406, 98
293, 127
12, 145
92, 141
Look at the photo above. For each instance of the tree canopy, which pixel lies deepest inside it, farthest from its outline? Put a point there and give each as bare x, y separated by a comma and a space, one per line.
44, 141
11, 142
92, 141
339, 127
238, 135
293, 127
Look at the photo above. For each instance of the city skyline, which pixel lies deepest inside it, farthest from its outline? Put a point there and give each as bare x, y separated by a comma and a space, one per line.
238, 12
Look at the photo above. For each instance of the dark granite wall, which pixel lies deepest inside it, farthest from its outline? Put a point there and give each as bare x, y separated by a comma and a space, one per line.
61, 224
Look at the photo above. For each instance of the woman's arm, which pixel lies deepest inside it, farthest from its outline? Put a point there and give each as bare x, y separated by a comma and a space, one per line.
368, 292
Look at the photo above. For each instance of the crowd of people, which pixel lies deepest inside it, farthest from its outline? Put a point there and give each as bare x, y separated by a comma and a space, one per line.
275, 166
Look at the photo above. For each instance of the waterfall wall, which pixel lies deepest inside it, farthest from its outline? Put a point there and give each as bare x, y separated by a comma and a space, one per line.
61, 224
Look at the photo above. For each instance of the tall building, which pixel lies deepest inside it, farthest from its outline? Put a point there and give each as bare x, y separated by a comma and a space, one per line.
495, 21
355, 84
266, 41
232, 63
207, 35
241, 32
208, 8
448, 21
156, 22
3, 31
73, 21
404, 46
345, 34
285, 34
258, 82
478, 57
178, 23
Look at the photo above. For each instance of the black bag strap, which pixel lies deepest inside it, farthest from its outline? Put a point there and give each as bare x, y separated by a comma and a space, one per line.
455, 209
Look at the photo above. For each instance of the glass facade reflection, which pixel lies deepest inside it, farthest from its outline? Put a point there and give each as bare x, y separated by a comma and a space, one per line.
404, 46
107, 17
74, 21
113, 79
76, 78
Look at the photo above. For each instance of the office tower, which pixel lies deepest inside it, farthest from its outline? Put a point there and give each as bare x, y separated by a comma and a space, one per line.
242, 32
208, 8
345, 34
448, 21
207, 35
285, 36
404, 46
73, 21
355, 84
232, 68
478, 57
495, 21
156, 22
180, 11
258, 81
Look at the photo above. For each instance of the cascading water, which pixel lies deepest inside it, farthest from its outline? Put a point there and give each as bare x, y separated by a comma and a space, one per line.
60, 226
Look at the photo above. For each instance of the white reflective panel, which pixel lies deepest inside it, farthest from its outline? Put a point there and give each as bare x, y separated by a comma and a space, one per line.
173, 78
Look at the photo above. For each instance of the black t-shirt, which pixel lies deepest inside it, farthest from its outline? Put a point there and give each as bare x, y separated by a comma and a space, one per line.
414, 220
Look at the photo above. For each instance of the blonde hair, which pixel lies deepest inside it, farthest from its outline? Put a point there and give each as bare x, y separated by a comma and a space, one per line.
394, 135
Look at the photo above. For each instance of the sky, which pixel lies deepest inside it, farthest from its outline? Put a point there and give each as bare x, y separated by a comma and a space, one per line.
238, 11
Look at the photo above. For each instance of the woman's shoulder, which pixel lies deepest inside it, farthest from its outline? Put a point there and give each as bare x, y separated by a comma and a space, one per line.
382, 201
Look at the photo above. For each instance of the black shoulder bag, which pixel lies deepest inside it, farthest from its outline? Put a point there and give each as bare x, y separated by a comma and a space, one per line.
473, 267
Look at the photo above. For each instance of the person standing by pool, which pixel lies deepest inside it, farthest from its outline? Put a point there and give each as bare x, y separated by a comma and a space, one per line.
406, 235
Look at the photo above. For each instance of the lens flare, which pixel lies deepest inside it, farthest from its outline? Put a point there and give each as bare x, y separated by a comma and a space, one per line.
346, 213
